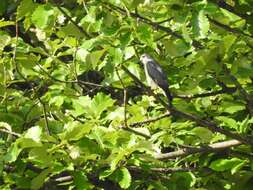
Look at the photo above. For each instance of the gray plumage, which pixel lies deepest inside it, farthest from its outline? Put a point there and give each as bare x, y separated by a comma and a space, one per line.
155, 75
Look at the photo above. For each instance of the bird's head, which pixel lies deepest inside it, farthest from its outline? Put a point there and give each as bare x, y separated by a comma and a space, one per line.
145, 58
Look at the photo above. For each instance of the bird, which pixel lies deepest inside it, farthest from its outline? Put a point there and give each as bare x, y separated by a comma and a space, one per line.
155, 75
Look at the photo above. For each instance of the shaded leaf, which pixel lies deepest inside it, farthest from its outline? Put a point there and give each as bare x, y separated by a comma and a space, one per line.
39, 180
204, 134
123, 177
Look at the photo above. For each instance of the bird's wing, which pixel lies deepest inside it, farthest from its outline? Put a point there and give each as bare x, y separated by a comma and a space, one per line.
156, 72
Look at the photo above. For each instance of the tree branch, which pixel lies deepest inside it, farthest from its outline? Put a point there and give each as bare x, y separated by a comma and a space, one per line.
135, 124
228, 28
166, 170
125, 98
45, 116
10, 132
222, 4
209, 148
207, 94
135, 132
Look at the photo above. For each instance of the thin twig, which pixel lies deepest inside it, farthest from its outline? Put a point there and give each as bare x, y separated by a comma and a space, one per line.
167, 170
76, 119
4, 101
209, 148
74, 61
10, 132
125, 97
136, 132
207, 94
222, 4
166, 20
228, 28
63, 179
27, 114
149, 120
45, 116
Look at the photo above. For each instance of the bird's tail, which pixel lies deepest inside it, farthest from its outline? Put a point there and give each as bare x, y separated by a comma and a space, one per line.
169, 96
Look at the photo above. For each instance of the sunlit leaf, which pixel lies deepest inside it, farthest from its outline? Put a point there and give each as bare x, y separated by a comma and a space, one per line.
226, 164
43, 16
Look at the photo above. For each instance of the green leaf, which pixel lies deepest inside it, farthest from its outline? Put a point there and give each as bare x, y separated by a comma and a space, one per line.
13, 153
117, 114
136, 3
142, 130
238, 167
145, 35
207, 83
29, 140
4, 41
81, 55
39, 180
123, 177
42, 61
117, 55
105, 173
27, 61
200, 24
70, 30
228, 41
34, 133
75, 130
99, 104
125, 39
117, 156
225, 164
40, 155
183, 180
28, 143
244, 125
88, 44
6, 23
81, 181
57, 101
204, 134
80, 105
228, 121
43, 16
3, 6
94, 57
175, 47
232, 107
25, 8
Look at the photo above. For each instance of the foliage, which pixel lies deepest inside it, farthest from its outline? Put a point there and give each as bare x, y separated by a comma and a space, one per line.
72, 117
